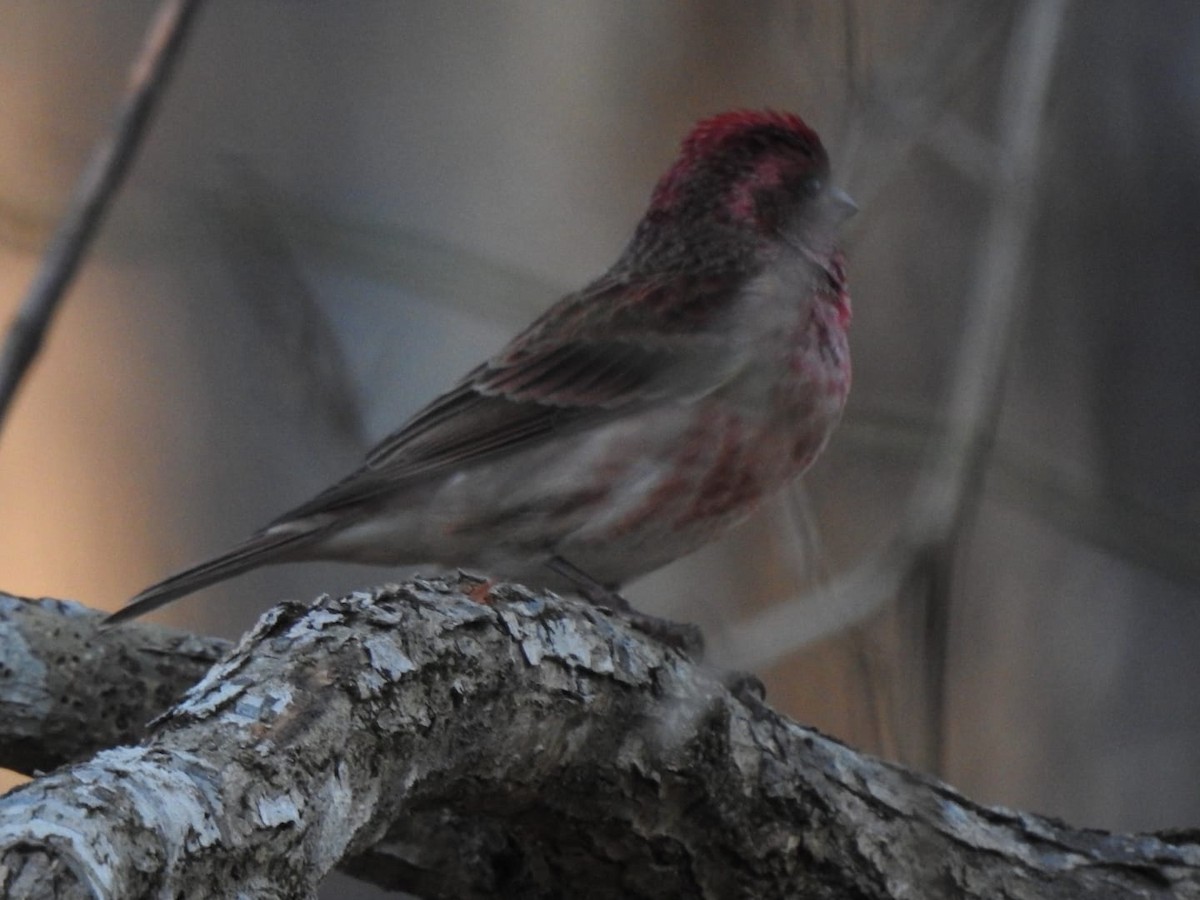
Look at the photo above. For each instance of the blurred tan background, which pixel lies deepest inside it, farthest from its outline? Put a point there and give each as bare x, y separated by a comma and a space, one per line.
343, 206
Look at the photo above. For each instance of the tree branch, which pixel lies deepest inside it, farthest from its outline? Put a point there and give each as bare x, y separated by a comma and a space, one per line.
94, 192
524, 746
67, 692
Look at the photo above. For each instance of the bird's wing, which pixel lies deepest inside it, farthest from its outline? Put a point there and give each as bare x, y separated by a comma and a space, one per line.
539, 386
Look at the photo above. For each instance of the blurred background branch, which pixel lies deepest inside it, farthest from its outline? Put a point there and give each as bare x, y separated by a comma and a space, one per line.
96, 189
917, 567
309, 361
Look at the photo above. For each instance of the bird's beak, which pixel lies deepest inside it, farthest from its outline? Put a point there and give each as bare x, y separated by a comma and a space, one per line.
841, 204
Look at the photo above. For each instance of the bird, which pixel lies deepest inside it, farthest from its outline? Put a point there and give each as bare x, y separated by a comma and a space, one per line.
635, 420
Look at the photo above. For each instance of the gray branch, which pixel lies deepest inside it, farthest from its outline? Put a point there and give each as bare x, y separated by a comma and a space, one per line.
66, 692
523, 746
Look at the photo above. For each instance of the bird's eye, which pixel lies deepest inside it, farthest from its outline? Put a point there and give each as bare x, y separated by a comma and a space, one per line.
813, 187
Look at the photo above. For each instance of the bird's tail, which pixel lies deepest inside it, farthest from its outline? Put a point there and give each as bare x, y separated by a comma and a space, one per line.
273, 545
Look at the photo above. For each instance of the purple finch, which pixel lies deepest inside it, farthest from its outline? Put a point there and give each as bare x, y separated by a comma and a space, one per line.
635, 420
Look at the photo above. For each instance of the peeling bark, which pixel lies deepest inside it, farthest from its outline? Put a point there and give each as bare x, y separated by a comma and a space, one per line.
523, 747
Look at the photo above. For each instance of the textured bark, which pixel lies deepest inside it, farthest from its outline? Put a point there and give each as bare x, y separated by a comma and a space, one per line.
68, 691
522, 747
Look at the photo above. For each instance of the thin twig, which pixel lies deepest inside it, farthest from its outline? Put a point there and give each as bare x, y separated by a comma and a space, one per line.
93, 193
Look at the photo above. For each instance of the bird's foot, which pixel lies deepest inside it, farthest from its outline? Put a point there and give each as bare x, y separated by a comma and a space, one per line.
687, 639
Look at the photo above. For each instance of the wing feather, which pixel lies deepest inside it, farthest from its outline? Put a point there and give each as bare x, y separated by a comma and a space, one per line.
539, 386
